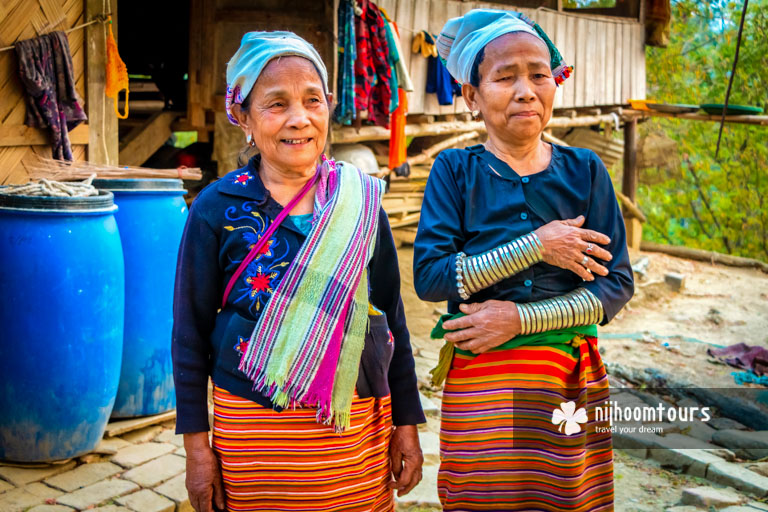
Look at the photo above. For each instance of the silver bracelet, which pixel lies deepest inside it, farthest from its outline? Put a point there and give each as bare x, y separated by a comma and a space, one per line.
576, 308
490, 267
460, 275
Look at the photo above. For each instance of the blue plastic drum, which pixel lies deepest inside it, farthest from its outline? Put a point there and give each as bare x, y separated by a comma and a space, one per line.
151, 219
61, 324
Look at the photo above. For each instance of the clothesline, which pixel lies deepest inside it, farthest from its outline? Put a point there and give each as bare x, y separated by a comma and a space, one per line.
100, 18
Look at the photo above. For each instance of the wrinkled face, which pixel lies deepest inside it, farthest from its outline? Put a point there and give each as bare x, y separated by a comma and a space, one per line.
288, 115
516, 90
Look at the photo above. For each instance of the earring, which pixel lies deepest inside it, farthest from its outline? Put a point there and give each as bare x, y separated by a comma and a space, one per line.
249, 140
475, 113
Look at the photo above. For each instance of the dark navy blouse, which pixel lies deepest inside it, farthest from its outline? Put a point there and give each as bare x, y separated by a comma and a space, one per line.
475, 202
225, 220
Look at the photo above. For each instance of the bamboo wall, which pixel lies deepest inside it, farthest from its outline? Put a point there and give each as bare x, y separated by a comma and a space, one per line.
608, 53
24, 19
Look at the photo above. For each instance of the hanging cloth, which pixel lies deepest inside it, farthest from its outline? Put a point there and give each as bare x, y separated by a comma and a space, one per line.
397, 141
372, 71
117, 73
46, 72
440, 81
345, 109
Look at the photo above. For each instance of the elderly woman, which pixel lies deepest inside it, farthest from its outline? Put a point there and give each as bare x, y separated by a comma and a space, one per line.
287, 295
526, 242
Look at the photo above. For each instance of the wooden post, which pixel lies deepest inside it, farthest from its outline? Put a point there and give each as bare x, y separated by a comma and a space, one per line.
102, 122
629, 183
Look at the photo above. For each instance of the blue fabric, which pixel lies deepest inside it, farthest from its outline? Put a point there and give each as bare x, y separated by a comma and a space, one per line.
225, 220
303, 222
440, 81
464, 37
345, 84
255, 52
469, 207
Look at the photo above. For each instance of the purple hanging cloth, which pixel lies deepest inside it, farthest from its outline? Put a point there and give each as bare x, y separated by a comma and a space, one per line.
741, 355
45, 68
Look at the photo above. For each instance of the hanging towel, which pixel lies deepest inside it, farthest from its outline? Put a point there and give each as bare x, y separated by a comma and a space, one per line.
397, 142
45, 69
345, 109
117, 74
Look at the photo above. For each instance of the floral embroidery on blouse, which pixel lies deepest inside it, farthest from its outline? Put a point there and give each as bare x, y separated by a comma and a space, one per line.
242, 179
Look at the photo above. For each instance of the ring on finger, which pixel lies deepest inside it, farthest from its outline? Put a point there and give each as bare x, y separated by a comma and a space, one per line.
590, 247
585, 260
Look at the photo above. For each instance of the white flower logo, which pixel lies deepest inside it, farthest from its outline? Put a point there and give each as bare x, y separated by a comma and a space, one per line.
570, 416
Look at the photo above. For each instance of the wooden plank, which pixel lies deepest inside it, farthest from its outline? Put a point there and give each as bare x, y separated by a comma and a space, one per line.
569, 49
639, 68
102, 143
559, 37
583, 79
609, 69
600, 69
591, 63
20, 135
418, 63
626, 58
11, 170
195, 112
143, 141
460, 104
115, 428
618, 71
404, 22
434, 24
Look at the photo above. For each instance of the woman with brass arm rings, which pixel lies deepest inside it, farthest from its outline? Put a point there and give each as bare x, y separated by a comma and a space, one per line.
526, 242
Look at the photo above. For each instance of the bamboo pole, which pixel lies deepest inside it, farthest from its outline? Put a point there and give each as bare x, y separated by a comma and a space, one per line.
431, 151
631, 207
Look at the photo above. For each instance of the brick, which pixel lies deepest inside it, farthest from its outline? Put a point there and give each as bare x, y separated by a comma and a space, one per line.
97, 493
147, 501
176, 489
733, 475
28, 496
169, 436
5, 486
83, 475
110, 445
156, 471
51, 508
706, 497
143, 435
137, 454
23, 476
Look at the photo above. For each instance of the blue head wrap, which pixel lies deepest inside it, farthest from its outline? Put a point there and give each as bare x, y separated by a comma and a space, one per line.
255, 52
463, 38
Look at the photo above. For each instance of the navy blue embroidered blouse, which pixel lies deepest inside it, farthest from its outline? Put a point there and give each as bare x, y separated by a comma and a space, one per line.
475, 202
225, 220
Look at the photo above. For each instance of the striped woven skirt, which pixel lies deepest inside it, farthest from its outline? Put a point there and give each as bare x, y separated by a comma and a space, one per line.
287, 461
504, 446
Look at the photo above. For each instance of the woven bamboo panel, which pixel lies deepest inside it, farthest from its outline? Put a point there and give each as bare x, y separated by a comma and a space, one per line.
24, 19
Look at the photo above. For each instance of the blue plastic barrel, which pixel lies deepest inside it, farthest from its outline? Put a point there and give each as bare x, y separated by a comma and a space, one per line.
61, 324
151, 220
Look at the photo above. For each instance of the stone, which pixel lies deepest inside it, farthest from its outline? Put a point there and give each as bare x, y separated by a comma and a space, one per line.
169, 436
5, 486
430, 447
746, 445
429, 407
692, 461
97, 493
110, 445
706, 497
698, 430
83, 476
142, 435
733, 475
181, 452
761, 468
425, 493
156, 471
683, 508
51, 508
23, 476
738, 508
675, 281
30, 495
137, 454
756, 505
176, 489
113, 508
147, 501
638, 453
721, 423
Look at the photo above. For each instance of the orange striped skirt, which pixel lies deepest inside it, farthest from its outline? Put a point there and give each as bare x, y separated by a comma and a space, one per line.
287, 461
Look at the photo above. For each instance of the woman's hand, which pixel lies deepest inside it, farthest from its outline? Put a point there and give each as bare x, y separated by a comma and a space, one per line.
204, 483
487, 325
566, 245
406, 457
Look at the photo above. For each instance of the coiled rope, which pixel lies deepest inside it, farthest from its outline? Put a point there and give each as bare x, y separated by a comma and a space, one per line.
52, 188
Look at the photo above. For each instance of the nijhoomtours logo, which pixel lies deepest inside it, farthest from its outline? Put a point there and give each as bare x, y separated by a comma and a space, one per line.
612, 413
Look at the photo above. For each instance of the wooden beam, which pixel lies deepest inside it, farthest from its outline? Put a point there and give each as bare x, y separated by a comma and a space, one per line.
430, 152
629, 184
20, 135
346, 134
102, 139
266, 16
700, 255
143, 141
754, 120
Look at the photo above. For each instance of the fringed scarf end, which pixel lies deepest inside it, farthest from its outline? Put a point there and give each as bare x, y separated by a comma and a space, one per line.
444, 360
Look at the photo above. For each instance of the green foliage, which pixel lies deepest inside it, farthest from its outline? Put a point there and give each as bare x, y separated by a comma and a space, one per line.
717, 205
